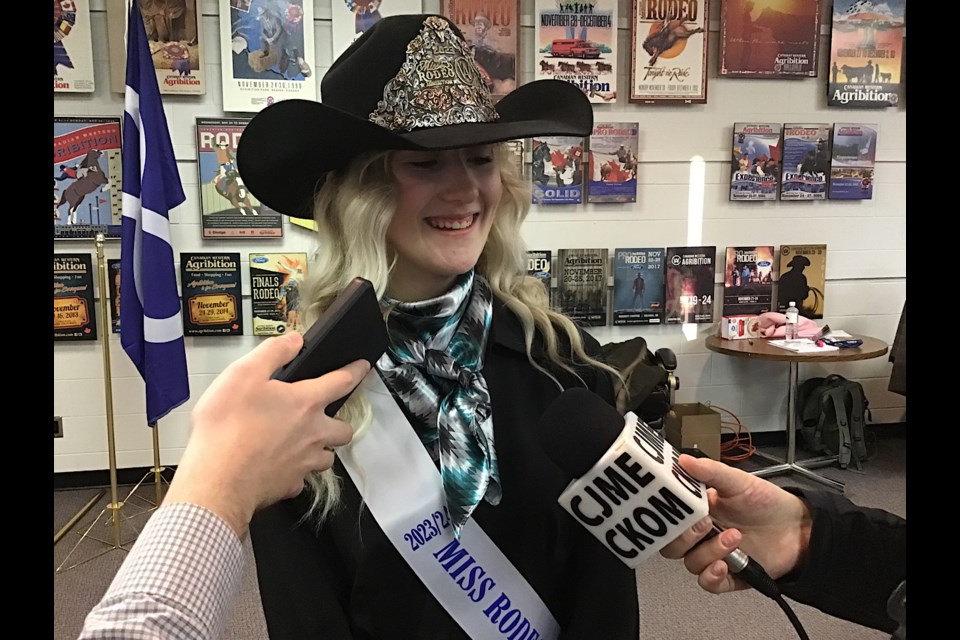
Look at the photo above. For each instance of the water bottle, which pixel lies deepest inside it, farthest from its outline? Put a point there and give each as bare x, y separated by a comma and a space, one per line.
793, 319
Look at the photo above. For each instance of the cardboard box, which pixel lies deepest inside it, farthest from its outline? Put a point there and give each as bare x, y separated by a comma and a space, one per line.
739, 327
694, 426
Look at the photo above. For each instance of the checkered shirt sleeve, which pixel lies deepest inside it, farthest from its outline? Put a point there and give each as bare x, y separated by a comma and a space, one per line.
178, 582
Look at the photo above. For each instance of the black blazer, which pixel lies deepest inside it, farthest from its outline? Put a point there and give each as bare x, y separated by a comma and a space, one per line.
346, 580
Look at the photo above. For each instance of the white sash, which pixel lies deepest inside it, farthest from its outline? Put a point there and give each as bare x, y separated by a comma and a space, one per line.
470, 577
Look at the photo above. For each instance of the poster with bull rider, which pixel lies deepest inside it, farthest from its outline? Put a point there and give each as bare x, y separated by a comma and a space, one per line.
227, 208
866, 54
492, 28
86, 177
577, 42
72, 47
668, 51
267, 52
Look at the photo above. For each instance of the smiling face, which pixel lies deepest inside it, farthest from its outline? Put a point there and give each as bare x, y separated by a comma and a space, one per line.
446, 203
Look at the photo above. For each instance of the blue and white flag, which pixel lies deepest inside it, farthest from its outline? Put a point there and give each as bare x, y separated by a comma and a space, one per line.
151, 331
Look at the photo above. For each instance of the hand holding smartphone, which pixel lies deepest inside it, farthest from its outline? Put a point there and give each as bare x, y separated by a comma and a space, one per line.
350, 329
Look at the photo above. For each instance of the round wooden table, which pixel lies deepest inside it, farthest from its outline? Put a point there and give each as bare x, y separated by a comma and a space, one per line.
760, 349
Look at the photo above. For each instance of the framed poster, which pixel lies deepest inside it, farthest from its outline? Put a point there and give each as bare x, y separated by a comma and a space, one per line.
637, 286
350, 18
769, 39
582, 285
72, 47
689, 279
557, 170
86, 177
748, 280
803, 279
866, 53
612, 164
267, 53
113, 282
227, 208
854, 160
492, 27
175, 33
74, 306
668, 52
275, 280
755, 165
210, 289
577, 42
806, 161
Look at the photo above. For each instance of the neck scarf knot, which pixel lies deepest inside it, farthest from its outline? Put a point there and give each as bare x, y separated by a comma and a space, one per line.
434, 368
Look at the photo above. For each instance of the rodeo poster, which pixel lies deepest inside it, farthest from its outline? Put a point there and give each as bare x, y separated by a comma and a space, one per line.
668, 51
492, 28
866, 53
212, 301
227, 208
557, 170
806, 161
540, 266
74, 312
577, 42
275, 280
350, 18
267, 53
769, 38
612, 166
637, 286
86, 178
748, 280
72, 47
175, 36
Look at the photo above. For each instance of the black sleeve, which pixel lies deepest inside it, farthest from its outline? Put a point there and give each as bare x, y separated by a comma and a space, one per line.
302, 586
856, 559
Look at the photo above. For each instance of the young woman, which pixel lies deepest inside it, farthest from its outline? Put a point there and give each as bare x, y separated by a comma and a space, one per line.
403, 169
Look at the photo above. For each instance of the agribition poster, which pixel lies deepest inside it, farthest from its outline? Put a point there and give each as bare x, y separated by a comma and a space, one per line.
866, 53
769, 38
74, 306
577, 42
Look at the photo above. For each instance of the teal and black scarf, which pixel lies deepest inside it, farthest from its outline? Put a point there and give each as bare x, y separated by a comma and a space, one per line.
433, 366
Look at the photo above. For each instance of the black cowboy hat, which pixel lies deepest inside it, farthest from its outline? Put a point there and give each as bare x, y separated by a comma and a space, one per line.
409, 82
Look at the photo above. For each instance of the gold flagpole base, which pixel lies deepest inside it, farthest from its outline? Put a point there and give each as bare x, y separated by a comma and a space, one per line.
124, 534
122, 529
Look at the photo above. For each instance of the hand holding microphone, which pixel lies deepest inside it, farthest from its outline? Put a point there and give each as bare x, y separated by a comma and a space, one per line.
770, 523
628, 487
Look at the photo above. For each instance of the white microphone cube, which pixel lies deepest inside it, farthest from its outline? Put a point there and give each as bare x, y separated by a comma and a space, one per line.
637, 498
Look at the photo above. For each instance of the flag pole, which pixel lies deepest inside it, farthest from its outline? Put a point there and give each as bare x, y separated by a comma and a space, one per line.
156, 472
114, 510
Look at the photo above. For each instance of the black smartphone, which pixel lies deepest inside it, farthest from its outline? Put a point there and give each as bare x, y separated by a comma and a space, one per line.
351, 328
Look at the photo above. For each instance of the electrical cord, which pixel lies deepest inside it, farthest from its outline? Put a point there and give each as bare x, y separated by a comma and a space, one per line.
738, 448
753, 573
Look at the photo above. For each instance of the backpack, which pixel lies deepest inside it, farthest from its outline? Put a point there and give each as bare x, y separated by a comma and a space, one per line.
830, 417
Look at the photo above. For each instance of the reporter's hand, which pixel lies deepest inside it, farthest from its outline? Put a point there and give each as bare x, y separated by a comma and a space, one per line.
254, 440
769, 524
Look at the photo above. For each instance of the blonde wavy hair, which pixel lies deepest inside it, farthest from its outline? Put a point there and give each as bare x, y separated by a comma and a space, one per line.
353, 209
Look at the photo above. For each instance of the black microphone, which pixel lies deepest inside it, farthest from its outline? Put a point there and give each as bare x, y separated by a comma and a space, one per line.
628, 489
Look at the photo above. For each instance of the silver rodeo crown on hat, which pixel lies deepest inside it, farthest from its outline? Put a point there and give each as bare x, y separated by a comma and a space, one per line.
409, 82
437, 85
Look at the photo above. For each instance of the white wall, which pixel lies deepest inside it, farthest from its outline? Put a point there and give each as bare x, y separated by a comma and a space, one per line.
866, 263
